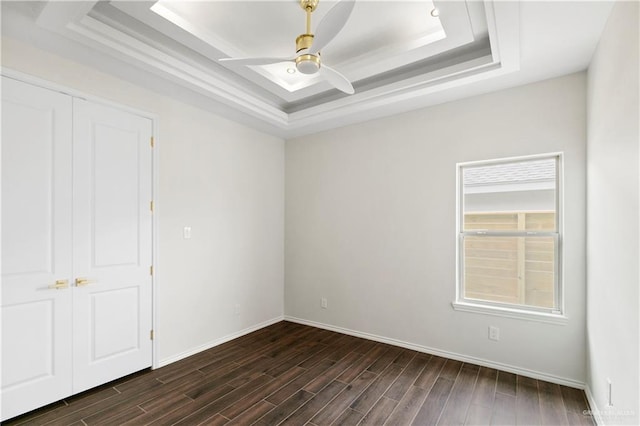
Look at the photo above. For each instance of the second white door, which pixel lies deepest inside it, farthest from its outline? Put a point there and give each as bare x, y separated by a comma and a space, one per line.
112, 244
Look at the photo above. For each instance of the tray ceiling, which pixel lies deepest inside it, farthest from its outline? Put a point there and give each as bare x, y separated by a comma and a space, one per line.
394, 52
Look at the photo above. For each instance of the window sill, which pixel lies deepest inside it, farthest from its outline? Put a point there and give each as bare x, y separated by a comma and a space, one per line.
510, 313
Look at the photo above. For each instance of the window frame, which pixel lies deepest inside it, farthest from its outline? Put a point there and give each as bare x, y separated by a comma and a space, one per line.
461, 303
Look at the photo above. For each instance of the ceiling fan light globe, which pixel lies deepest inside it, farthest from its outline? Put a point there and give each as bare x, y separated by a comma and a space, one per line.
308, 64
307, 67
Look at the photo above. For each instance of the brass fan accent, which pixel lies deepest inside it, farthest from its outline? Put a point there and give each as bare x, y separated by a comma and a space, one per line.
308, 45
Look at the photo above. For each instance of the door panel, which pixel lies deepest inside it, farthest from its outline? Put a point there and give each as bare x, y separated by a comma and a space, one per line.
36, 247
28, 170
35, 358
116, 195
115, 335
112, 244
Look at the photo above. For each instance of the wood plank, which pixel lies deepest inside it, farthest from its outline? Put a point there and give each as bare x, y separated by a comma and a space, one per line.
451, 369
208, 385
367, 346
432, 407
580, 419
164, 402
340, 403
455, 411
380, 412
484, 392
285, 409
408, 376
361, 364
298, 358
311, 408
574, 399
504, 410
300, 382
348, 345
252, 414
552, 411
506, 383
333, 372
372, 394
406, 356
478, 415
234, 410
527, 401
430, 373
114, 417
174, 402
216, 362
348, 418
383, 361
408, 406
204, 409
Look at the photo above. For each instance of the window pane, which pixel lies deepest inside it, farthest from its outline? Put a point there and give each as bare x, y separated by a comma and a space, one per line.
514, 270
518, 196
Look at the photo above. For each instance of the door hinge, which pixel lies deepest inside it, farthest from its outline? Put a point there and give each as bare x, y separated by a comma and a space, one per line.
151, 335
151, 206
152, 141
151, 270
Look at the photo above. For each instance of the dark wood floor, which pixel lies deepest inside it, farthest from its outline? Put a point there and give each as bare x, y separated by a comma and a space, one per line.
294, 375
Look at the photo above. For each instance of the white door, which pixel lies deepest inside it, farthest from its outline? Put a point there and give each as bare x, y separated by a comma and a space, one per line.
76, 245
112, 244
36, 247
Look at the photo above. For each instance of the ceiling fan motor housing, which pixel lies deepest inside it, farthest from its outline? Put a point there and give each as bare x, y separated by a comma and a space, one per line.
306, 63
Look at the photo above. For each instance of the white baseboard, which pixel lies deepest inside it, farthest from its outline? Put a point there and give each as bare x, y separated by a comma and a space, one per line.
445, 354
595, 412
217, 342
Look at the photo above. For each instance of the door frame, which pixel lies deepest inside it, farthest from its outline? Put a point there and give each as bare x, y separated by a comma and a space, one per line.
155, 156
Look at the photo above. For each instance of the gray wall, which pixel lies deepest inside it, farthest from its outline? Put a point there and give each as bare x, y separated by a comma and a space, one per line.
224, 180
370, 224
613, 211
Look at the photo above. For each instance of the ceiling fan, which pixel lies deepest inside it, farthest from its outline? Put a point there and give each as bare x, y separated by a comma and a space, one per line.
308, 46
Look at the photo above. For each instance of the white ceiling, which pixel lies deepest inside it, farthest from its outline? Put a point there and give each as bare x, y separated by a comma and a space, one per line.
396, 54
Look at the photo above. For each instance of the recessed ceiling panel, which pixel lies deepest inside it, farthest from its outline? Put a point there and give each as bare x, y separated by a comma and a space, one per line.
395, 53
270, 28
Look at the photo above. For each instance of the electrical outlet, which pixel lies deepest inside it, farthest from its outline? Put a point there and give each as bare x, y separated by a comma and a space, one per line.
186, 232
323, 303
236, 309
609, 400
494, 333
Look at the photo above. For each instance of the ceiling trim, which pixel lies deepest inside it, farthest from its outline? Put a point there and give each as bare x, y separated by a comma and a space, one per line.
502, 57
86, 29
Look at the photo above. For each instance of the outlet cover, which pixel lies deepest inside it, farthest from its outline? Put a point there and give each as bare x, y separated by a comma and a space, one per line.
494, 333
323, 303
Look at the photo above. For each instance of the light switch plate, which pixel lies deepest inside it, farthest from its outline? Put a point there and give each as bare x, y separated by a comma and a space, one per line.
186, 232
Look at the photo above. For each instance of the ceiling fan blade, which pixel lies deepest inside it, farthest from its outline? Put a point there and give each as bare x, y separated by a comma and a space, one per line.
253, 61
331, 24
336, 79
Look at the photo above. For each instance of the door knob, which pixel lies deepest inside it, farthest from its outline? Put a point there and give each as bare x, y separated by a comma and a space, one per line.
60, 284
80, 282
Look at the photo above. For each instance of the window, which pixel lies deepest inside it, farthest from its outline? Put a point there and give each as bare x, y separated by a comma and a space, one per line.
509, 236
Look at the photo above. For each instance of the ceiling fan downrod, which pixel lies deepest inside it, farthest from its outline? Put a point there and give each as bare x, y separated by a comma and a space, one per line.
306, 63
